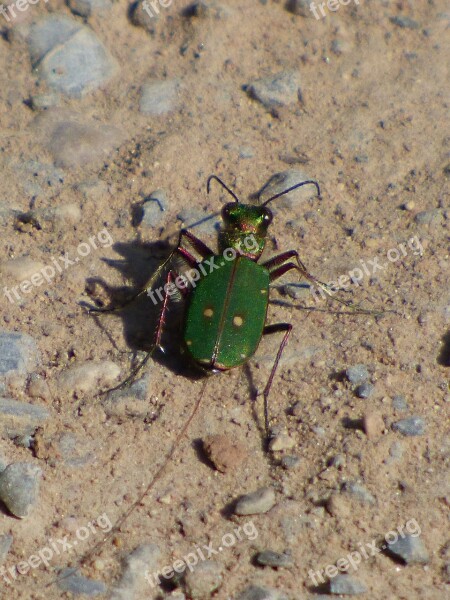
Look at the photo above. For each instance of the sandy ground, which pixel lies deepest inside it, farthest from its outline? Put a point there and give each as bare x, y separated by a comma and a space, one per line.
370, 127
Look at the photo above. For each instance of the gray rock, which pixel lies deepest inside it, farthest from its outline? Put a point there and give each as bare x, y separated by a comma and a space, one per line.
204, 580
429, 217
290, 461
44, 101
18, 353
365, 390
359, 492
399, 403
5, 544
19, 487
159, 97
69, 56
282, 181
19, 419
69, 581
357, 374
276, 90
299, 7
129, 402
153, 208
199, 221
38, 178
132, 584
269, 558
346, 584
256, 503
88, 376
85, 8
74, 451
410, 426
404, 22
410, 550
256, 592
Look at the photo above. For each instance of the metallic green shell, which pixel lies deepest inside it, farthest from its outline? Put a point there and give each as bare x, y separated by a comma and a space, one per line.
226, 313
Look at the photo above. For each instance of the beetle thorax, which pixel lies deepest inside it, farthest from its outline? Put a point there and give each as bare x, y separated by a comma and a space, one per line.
244, 229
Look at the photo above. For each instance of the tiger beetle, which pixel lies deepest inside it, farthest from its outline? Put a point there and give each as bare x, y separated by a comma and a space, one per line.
226, 304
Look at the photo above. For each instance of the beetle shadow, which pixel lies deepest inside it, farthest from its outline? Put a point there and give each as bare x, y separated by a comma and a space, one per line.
140, 316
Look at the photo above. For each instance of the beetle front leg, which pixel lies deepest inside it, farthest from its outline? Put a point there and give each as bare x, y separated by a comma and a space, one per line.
268, 329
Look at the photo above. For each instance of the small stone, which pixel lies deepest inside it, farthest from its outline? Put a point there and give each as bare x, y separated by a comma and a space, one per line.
69, 581
359, 492
159, 97
280, 442
269, 558
409, 206
396, 450
44, 101
256, 592
140, 17
399, 403
276, 90
5, 544
410, 426
18, 353
130, 401
365, 390
373, 425
429, 217
256, 503
38, 178
18, 419
69, 56
290, 461
204, 580
225, 453
38, 388
19, 487
346, 584
357, 374
299, 7
404, 22
133, 584
410, 550
338, 505
19, 269
88, 376
84, 8
153, 208
202, 222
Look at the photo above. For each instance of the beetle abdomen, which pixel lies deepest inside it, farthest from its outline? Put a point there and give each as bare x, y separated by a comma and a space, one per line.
226, 313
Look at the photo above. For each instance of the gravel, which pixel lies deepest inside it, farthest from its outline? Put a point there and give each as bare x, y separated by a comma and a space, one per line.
346, 584
77, 584
260, 501
410, 426
19, 487
410, 550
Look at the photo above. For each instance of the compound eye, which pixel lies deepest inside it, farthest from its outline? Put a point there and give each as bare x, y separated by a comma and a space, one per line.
268, 217
227, 211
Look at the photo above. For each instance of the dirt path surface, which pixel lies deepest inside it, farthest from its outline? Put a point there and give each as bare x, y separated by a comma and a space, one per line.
103, 105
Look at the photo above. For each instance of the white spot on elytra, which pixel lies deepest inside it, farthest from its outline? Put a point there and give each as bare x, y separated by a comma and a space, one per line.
238, 320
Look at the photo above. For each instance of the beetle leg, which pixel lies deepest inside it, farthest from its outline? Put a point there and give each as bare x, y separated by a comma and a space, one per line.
268, 329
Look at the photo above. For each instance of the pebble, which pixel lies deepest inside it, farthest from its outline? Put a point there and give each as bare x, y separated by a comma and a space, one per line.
18, 419
38, 178
256, 503
256, 592
339, 506
346, 584
410, 550
299, 7
365, 390
224, 452
204, 580
281, 441
85, 8
404, 22
153, 209
410, 426
373, 425
131, 401
88, 376
38, 388
358, 491
396, 451
69, 56
19, 487
18, 353
159, 97
290, 461
132, 583
75, 140
357, 374
44, 101
279, 182
399, 403
199, 221
428, 217
269, 558
5, 544
70, 582
280, 89
19, 269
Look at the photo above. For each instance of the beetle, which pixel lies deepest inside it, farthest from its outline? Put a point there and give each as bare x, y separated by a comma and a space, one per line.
226, 304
